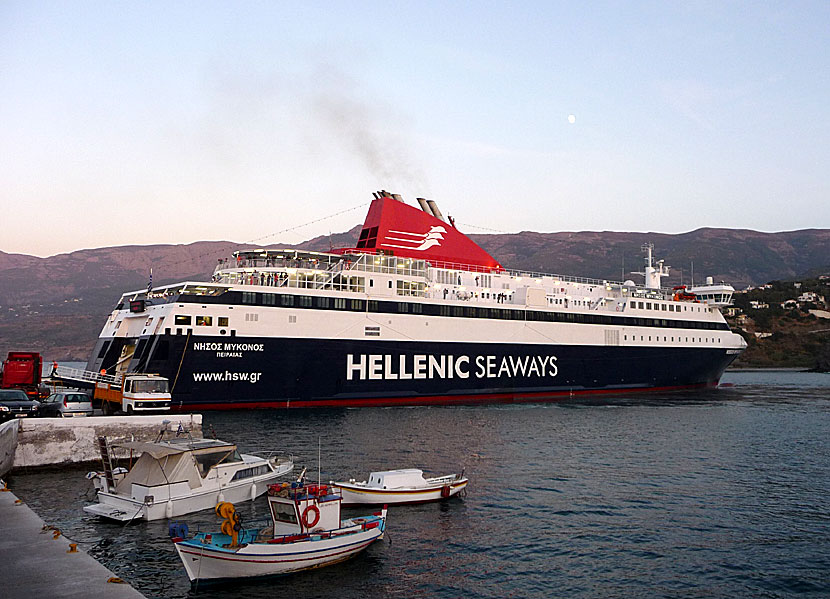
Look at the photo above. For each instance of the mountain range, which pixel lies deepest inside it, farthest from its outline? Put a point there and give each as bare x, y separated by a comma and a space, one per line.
57, 305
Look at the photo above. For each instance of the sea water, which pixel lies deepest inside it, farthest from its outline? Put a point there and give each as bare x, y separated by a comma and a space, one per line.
713, 493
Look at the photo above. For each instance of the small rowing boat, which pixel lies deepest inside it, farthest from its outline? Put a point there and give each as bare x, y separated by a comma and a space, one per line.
392, 487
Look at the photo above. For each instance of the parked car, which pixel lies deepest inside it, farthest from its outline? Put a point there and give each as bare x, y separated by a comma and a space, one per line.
14, 403
67, 404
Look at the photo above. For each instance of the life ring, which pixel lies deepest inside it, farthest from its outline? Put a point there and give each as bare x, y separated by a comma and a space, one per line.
445, 491
311, 508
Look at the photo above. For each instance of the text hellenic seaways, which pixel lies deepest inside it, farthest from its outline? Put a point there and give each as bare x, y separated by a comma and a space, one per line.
427, 366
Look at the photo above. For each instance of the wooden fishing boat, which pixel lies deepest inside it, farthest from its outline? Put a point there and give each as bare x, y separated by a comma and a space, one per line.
306, 531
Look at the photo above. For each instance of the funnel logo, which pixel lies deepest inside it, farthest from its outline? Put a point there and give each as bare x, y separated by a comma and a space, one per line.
418, 242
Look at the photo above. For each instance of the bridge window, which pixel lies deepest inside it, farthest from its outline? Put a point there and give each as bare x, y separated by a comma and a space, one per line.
182, 319
283, 512
204, 321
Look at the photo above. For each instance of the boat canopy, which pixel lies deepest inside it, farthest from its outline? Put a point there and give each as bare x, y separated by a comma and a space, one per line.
170, 468
157, 450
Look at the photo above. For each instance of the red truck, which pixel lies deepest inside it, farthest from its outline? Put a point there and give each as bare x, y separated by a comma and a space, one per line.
22, 370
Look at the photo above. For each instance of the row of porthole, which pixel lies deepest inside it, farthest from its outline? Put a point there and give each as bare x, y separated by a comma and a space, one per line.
679, 339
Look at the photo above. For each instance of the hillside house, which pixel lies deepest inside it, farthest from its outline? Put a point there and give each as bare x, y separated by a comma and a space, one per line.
756, 305
811, 296
790, 304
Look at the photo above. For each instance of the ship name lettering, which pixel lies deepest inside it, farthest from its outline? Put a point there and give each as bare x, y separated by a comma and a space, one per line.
244, 347
207, 347
376, 367
514, 366
390, 367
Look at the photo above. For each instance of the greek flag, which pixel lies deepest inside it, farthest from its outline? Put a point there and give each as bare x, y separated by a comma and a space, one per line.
180, 430
150, 284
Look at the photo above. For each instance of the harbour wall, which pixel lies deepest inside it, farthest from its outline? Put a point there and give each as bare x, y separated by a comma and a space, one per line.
56, 441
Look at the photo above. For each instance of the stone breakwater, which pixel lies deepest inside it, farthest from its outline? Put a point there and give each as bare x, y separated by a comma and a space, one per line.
56, 441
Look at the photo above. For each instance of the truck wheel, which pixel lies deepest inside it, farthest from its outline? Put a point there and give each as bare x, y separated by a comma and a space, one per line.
106, 409
130, 410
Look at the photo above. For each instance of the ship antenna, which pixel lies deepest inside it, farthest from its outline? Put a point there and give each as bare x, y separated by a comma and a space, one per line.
318, 461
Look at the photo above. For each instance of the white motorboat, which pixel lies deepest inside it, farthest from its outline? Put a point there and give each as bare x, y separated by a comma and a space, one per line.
180, 476
305, 532
400, 486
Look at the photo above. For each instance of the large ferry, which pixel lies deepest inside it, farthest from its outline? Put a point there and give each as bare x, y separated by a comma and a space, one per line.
415, 314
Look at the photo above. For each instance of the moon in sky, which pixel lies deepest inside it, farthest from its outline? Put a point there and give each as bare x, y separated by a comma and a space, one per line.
571, 119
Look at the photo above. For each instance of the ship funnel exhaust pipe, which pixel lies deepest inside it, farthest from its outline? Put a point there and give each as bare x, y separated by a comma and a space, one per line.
435, 211
424, 206
398, 197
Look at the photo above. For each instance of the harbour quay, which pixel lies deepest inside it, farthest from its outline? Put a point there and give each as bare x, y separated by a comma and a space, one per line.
27, 545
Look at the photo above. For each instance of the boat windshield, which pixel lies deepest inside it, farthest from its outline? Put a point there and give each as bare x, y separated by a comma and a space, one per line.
208, 459
150, 386
284, 512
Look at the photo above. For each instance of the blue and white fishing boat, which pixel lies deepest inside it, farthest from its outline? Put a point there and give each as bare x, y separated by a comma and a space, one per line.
306, 532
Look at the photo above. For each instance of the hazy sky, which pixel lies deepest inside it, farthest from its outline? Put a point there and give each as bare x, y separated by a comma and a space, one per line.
172, 122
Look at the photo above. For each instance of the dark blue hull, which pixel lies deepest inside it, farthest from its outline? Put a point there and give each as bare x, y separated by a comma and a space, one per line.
211, 373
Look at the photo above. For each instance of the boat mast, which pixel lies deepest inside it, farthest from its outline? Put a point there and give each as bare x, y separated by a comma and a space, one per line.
652, 275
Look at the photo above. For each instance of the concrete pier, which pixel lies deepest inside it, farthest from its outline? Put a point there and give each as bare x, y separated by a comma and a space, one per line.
38, 562
55, 441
